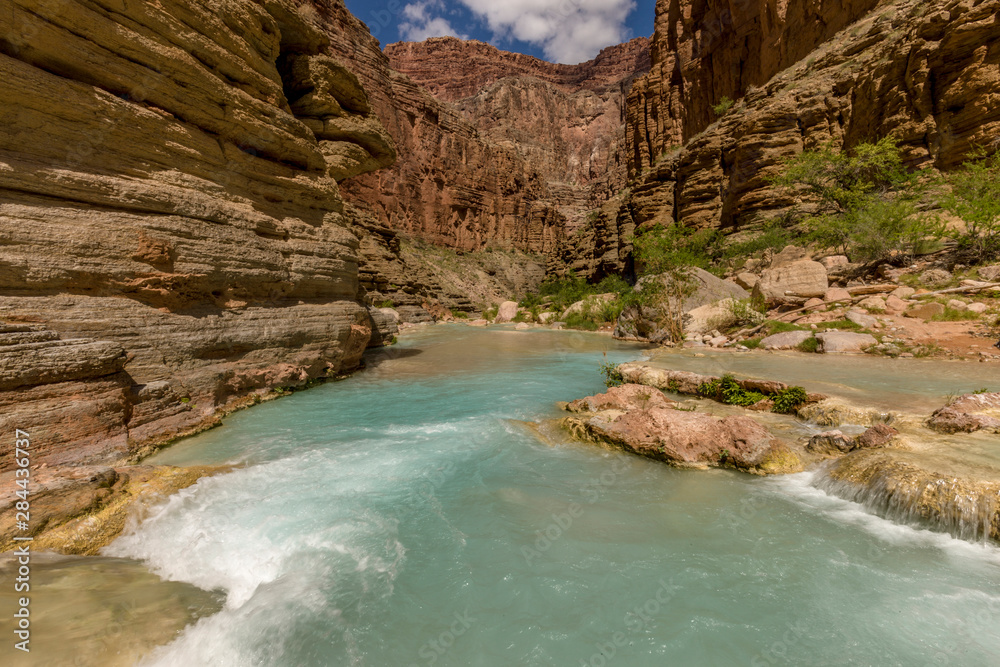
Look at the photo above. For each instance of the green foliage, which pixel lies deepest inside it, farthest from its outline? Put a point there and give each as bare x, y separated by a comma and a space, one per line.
867, 200
523, 317
740, 313
808, 345
773, 237
723, 107
674, 387
662, 249
728, 390
975, 198
752, 343
582, 321
560, 292
845, 181
670, 252
388, 303
734, 394
789, 400
955, 315
984, 390
185, 399
612, 376
490, 313
459, 314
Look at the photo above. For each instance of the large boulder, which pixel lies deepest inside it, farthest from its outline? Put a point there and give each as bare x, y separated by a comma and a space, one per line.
803, 278
690, 439
624, 398
648, 322
925, 311
786, 340
507, 312
968, 413
844, 342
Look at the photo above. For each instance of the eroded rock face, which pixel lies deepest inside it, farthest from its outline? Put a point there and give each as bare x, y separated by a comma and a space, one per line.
804, 74
168, 190
452, 185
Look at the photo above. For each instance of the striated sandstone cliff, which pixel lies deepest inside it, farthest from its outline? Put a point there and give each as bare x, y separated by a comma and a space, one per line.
567, 121
450, 186
172, 237
803, 74
928, 74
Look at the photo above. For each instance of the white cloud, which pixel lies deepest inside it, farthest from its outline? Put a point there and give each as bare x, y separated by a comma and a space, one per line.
568, 31
420, 24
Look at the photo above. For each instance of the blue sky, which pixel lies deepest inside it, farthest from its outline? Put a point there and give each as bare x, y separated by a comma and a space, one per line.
566, 31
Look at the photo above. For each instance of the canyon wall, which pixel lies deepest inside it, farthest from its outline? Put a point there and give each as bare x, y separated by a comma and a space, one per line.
926, 73
566, 121
172, 236
802, 75
450, 186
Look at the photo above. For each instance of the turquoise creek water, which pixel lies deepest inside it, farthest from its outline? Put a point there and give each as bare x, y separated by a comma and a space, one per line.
408, 516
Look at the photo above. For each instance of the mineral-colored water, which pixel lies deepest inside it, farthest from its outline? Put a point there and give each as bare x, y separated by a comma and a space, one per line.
407, 516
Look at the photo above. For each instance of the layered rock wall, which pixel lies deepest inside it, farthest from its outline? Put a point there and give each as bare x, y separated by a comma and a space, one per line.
451, 186
925, 73
168, 185
566, 121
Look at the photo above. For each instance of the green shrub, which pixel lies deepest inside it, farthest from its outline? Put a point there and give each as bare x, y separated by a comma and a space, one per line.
612, 376
955, 315
734, 394
723, 107
975, 198
808, 345
459, 314
789, 400
388, 303
868, 201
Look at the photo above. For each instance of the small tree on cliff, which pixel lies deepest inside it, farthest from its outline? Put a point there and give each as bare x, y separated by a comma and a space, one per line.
867, 200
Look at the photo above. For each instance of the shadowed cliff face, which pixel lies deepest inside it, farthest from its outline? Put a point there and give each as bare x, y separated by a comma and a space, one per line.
168, 186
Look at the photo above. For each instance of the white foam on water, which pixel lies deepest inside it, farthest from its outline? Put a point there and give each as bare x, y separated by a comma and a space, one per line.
800, 488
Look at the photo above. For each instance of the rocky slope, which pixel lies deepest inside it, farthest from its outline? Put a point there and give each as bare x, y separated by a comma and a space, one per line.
172, 236
803, 74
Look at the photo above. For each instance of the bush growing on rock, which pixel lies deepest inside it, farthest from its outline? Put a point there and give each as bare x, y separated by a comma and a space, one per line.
868, 201
975, 198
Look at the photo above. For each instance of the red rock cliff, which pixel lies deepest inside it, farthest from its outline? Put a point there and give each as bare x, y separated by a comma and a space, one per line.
565, 121
450, 185
927, 73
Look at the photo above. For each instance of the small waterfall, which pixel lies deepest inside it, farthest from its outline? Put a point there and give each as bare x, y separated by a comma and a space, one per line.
905, 494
